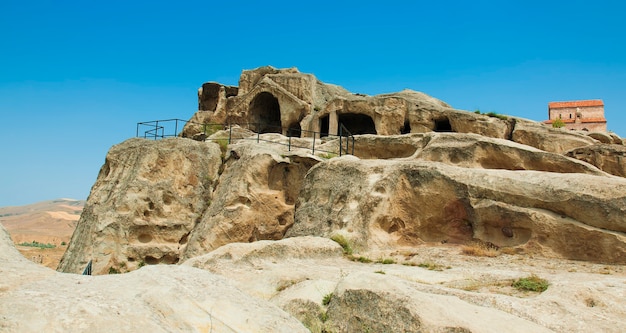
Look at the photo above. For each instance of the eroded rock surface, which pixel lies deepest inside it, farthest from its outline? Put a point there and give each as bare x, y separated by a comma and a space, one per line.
255, 197
430, 288
157, 299
385, 203
610, 158
147, 198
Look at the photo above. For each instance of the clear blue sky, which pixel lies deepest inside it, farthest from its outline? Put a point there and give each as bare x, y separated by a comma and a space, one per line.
76, 76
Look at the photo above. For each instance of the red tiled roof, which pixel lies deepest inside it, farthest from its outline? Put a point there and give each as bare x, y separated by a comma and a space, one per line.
573, 104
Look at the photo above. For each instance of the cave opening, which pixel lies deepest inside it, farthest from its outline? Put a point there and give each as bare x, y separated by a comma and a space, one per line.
358, 123
443, 125
265, 113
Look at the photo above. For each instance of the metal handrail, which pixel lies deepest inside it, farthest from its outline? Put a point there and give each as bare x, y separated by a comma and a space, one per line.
157, 130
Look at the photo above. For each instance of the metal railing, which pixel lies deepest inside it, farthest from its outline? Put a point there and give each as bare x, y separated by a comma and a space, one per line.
296, 138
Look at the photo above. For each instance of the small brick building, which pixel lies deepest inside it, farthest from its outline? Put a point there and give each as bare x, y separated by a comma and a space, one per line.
585, 115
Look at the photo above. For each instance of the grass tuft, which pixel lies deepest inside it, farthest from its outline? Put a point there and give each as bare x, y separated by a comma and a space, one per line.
341, 240
531, 283
326, 299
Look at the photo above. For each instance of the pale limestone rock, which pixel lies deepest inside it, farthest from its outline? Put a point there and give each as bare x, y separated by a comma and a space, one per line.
148, 197
387, 204
601, 136
610, 158
549, 139
467, 292
254, 199
467, 150
155, 299
372, 302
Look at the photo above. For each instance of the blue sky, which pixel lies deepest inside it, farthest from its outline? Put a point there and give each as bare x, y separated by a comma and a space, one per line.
76, 76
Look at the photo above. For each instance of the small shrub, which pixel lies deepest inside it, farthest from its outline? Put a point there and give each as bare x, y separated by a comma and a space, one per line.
362, 259
495, 115
113, 270
479, 250
326, 299
141, 264
328, 155
63, 243
531, 283
380, 272
431, 266
324, 317
347, 249
210, 129
386, 261
477, 111
558, 123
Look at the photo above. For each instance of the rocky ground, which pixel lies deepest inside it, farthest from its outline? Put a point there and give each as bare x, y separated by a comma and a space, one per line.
310, 283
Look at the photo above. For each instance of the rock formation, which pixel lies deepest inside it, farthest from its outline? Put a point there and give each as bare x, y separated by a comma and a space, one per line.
157, 299
148, 197
267, 167
389, 204
610, 158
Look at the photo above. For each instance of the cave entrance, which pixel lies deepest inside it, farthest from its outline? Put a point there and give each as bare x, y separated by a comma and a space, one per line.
324, 123
294, 130
443, 125
265, 113
357, 123
406, 129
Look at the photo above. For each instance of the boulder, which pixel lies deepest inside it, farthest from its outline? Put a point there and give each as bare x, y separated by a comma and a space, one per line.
390, 204
147, 198
610, 158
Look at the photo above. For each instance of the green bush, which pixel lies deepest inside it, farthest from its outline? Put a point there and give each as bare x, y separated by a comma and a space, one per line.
558, 123
531, 283
495, 115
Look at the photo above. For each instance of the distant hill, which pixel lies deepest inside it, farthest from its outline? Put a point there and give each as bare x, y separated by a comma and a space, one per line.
47, 222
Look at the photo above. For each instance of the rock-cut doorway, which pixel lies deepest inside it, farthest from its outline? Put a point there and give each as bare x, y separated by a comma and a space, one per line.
265, 113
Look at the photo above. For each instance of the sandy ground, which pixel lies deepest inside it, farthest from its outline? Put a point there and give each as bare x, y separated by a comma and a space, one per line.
48, 222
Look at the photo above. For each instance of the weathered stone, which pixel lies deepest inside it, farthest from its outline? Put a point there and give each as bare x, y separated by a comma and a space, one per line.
549, 139
475, 151
148, 197
602, 137
607, 157
375, 303
385, 203
255, 197
155, 299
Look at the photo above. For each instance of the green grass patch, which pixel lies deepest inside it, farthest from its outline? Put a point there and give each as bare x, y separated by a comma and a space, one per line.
531, 283
39, 245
